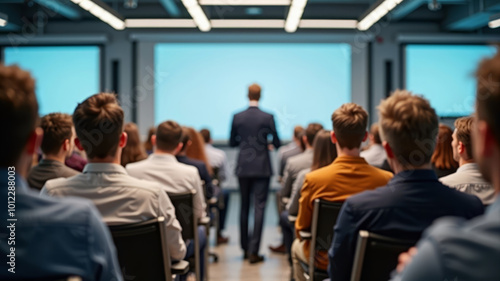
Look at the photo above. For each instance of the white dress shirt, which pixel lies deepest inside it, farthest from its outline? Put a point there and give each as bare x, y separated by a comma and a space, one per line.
217, 159
173, 176
122, 199
375, 155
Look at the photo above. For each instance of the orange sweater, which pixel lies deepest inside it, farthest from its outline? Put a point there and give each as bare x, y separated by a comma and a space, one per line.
346, 176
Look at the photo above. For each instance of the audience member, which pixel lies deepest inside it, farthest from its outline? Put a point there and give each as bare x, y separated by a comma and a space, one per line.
57, 145
442, 159
53, 237
413, 199
375, 154
196, 149
453, 248
134, 150
468, 178
294, 165
347, 175
289, 150
76, 160
175, 177
148, 145
120, 198
218, 161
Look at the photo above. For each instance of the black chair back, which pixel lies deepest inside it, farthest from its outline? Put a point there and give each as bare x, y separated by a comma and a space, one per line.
142, 250
377, 256
184, 212
322, 228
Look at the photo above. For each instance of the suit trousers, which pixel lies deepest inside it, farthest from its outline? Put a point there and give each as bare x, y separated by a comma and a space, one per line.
259, 188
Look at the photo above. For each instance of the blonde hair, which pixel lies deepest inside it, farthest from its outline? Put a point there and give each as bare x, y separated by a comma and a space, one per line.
349, 125
410, 125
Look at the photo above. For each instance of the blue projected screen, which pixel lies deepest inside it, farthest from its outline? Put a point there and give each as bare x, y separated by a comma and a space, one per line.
64, 75
204, 84
444, 74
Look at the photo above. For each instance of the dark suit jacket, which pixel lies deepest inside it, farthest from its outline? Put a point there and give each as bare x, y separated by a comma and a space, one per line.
403, 209
249, 131
202, 170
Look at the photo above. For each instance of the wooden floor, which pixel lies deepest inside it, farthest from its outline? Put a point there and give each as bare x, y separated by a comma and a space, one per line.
231, 265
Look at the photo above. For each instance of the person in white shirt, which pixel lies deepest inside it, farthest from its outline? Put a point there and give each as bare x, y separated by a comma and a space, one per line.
467, 178
120, 198
375, 154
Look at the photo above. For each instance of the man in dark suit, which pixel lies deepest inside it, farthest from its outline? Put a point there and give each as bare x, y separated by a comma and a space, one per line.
413, 198
250, 130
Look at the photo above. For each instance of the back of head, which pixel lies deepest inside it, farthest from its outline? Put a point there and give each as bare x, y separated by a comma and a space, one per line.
18, 112
148, 145
375, 132
409, 124
324, 150
349, 125
463, 127
205, 133
99, 124
57, 127
311, 131
488, 93
168, 135
442, 158
297, 131
254, 92
133, 151
197, 148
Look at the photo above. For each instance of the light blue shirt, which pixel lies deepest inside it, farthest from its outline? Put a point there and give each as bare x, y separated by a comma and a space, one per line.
54, 237
455, 249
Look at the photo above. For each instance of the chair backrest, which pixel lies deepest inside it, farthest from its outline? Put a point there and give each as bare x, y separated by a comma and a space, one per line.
377, 256
325, 215
142, 250
216, 176
184, 212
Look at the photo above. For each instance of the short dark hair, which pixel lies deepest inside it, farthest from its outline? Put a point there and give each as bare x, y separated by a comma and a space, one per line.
18, 112
297, 131
57, 127
463, 128
375, 131
99, 124
254, 92
311, 131
349, 125
205, 133
168, 135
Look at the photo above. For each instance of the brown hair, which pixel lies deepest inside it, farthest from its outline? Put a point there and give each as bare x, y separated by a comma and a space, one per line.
18, 112
99, 124
205, 133
133, 151
168, 135
488, 93
409, 124
254, 92
57, 127
349, 124
463, 128
443, 154
324, 151
197, 148
374, 131
297, 132
148, 144
311, 131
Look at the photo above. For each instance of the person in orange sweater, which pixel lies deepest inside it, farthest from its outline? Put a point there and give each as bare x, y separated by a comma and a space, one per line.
347, 175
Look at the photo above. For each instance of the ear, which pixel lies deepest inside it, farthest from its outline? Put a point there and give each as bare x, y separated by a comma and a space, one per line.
178, 148
123, 140
365, 137
334, 137
34, 141
66, 144
388, 150
153, 140
461, 147
189, 143
78, 144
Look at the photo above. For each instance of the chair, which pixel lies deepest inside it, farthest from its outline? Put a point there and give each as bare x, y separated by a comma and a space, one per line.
143, 251
325, 215
184, 206
376, 256
70, 278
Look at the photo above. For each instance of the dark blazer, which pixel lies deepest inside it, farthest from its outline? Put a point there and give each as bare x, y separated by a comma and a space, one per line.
403, 209
202, 170
249, 131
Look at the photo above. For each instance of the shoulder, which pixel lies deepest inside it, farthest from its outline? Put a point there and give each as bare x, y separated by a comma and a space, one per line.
449, 180
137, 165
383, 174
370, 198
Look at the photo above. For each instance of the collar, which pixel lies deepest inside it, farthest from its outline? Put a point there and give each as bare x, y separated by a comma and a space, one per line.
350, 159
414, 175
163, 157
254, 103
107, 168
468, 167
48, 162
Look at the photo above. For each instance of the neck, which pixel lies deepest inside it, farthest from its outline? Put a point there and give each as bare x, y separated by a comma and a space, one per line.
348, 152
308, 146
254, 103
58, 158
462, 161
397, 167
164, 152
